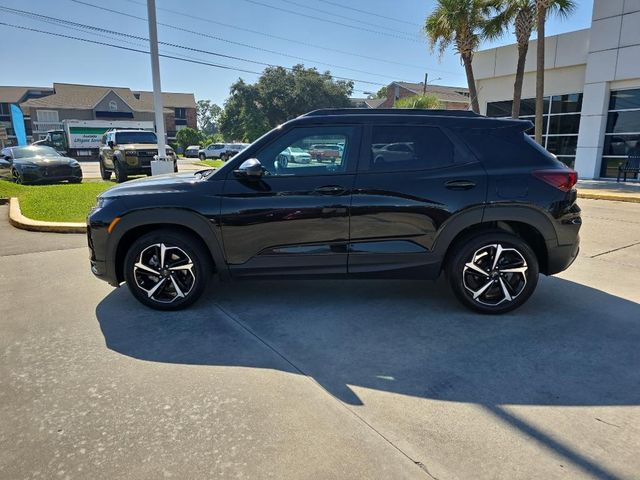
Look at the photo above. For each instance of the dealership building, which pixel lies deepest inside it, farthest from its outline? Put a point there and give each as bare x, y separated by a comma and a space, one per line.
592, 89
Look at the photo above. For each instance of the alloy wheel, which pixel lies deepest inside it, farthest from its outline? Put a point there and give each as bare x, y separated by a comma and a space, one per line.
17, 178
495, 274
164, 272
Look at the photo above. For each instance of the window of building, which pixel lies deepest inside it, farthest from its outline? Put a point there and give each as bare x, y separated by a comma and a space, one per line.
399, 148
561, 122
622, 136
181, 113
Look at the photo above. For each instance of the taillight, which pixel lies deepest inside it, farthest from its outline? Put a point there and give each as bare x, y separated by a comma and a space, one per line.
563, 180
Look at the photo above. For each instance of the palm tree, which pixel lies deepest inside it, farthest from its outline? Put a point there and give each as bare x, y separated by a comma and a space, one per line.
522, 14
543, 8
461, 23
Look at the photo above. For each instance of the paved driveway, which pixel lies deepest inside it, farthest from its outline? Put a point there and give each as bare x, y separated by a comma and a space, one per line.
321, 379
92, 169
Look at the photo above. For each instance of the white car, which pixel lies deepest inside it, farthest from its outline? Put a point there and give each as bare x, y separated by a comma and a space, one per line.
215, 150
294, 155
392, 152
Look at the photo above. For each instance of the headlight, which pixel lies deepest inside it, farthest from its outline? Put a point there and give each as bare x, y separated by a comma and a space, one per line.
74, 163
131, 153
103, 202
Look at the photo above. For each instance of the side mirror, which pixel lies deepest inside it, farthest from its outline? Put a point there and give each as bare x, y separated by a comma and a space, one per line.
251, 168
110, 143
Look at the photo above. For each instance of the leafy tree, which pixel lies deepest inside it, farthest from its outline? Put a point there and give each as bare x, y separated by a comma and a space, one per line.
428, 101
460, 23
522, 14
382, 93
215, 138
208, 114
543, 8
188, 136
279, 95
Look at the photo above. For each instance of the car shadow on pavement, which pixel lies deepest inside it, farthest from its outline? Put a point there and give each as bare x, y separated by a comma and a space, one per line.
569, 345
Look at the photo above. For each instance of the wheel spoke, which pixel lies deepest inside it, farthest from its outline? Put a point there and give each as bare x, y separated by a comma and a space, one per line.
522, 269
155, 288
175, 285
476, 268
477, 293
505, 290
142, 266
497, 256
188, 266
163, 250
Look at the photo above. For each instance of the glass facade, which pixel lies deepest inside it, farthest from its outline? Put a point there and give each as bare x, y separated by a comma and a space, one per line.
622, 135
561, 122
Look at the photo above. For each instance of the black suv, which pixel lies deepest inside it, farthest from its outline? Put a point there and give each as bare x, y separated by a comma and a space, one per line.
412, 193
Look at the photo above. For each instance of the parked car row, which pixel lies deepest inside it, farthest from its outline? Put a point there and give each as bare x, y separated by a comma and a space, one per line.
222, 151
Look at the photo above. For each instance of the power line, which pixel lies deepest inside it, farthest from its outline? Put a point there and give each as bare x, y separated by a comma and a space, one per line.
242, 44
293, 12
128, 35
137, 50
278, 37
358, 20
336, 4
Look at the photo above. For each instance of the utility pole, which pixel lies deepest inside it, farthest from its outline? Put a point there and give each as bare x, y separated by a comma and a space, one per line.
157, 93
426, 79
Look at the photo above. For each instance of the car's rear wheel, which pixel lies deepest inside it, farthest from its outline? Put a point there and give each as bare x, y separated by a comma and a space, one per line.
167, 270
104, 173
121, 171
202, 156
493, 272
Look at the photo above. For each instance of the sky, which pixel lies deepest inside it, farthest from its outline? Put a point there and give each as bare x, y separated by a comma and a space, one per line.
377, 47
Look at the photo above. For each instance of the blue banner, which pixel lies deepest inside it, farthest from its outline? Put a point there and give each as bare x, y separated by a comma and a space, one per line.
18, 124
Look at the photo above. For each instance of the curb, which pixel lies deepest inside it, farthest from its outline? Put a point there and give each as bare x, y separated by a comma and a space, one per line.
20, 221
609, 197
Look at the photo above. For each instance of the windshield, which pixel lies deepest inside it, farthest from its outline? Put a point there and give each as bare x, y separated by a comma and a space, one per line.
135, 137
297, 150
34, 151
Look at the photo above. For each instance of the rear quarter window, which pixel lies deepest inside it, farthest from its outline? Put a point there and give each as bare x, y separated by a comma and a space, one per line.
499, 149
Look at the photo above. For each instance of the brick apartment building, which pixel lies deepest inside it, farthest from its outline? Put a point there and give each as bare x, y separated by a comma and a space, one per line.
452, 98
45, 108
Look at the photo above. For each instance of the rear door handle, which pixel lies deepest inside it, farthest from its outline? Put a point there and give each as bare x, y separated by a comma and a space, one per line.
460, 185
330, 190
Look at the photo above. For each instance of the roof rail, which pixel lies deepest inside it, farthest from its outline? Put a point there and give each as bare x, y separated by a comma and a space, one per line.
390, 111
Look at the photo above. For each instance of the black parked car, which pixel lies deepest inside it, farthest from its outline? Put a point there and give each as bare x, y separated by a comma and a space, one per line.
38, 164
475, 198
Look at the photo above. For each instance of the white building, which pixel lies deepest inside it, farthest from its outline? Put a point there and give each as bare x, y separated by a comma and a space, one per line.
592, 88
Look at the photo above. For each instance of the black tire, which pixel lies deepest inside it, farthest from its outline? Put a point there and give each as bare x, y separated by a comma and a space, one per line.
120, 171
495, 290
104, 173
283, 161
75, 180
202, 156
178, 246
17, 177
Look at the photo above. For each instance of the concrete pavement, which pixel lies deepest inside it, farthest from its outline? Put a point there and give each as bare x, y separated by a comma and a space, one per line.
321, 379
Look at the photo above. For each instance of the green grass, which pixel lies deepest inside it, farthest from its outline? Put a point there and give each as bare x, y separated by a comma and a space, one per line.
55, 203
210, 163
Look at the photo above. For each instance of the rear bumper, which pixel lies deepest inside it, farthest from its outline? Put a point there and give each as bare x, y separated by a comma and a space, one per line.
560, 257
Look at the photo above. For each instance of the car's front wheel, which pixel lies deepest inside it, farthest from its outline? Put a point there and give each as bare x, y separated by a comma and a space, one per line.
17, 176
121, 171
167, 270
104, 173
493, 272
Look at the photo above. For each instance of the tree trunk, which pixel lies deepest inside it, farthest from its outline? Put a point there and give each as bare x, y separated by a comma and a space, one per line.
471, 82
517, 86
541, 15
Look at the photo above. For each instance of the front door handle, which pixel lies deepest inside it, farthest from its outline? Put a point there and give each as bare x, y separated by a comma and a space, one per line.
460, 185
330, 190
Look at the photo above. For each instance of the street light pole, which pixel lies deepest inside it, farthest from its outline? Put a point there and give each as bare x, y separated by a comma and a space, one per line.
155, 73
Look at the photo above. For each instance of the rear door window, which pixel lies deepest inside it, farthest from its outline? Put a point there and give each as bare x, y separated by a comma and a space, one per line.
409, 147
